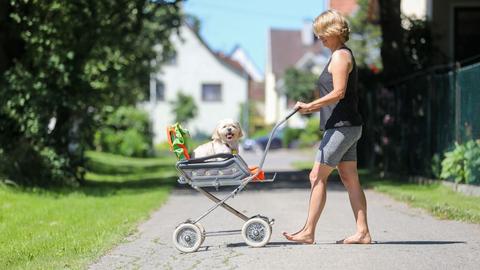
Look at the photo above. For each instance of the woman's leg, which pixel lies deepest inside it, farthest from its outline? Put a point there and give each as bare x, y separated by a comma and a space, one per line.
349, 175
318, 194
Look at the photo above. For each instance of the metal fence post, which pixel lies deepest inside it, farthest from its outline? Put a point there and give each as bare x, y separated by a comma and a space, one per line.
458, 102
429, 101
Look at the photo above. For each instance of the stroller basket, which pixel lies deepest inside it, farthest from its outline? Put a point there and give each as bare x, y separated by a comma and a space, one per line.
213, 171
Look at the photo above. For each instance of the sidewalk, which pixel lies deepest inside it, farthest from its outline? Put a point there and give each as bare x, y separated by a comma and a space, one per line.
405, 238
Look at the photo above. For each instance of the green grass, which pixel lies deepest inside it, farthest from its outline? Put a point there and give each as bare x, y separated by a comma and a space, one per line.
70, 228
437, 199
302, 165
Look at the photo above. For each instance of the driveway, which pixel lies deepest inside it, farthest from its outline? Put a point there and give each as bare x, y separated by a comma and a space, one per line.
405, 238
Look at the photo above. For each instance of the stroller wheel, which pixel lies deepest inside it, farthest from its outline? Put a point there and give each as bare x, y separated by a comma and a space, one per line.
187, 237
256, 232
202, 230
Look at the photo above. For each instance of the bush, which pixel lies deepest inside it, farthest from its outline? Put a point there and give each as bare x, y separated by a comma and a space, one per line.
46, 167
311, 134
127, 132
184, 108
163, 148
290, 135
472, 162
462, 164
436, 166
265, 131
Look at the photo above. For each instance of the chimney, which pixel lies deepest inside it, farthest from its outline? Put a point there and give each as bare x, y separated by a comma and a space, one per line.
307, 33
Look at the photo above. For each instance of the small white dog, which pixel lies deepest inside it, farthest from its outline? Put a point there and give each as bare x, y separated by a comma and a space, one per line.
225, 139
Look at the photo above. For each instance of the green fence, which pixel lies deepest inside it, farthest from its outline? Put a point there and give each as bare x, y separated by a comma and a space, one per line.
424, 115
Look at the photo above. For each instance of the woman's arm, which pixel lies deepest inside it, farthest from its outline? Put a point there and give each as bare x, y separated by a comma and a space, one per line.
340, 67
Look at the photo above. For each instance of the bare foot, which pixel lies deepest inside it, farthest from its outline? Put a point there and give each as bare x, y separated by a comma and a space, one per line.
292, 234
300, 237
358, 238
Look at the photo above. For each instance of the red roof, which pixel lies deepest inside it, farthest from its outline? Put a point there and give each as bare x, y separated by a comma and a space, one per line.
346, 7
287, 48
229, 61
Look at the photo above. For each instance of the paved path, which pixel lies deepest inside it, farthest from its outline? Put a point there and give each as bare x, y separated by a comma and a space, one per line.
405, 238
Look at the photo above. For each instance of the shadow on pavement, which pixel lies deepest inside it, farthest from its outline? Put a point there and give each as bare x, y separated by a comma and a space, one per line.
271, 244
418, 242
287, 243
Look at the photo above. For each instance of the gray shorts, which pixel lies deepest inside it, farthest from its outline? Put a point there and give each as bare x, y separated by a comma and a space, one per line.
339, 144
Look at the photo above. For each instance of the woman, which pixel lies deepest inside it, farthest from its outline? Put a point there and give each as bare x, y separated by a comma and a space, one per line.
340, 120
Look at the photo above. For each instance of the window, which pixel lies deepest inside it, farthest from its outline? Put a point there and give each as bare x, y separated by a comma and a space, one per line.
466, 32
172, 58
212, 92
159, 91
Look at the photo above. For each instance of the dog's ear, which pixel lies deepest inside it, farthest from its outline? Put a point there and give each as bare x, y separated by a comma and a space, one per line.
216, 135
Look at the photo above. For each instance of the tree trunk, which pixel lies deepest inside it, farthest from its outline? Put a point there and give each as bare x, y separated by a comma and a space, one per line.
395, 63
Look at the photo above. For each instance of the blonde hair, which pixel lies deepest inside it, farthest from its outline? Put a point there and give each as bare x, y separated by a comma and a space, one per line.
331, 23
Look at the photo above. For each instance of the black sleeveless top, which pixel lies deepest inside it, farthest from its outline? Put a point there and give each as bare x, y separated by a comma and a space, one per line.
344, 112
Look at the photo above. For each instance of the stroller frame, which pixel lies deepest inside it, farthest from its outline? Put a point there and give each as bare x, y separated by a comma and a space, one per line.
228, 170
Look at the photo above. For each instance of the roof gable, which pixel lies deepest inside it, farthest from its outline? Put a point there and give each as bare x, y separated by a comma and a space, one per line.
287, 49
219, 56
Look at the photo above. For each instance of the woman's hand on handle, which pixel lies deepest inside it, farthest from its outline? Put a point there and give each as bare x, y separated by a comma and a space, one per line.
305, 108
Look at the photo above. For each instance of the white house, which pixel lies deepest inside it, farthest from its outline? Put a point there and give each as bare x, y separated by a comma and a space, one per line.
256, 91
218, 84
241, 56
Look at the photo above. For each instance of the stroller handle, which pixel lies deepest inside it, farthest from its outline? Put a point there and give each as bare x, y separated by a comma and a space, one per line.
267, 147
292, 113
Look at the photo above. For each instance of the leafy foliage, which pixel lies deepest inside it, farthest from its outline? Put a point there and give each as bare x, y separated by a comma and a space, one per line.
436, 166
64, 62
462, 163
472, 161
290, 135
311, 134
365, 38
300, 84
307, 136
184, 108
255, 118
126, 132
419, 43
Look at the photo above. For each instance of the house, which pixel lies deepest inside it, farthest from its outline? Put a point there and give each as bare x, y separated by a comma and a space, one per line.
256, 87
241, 56
294, 49
454, 25
218, 84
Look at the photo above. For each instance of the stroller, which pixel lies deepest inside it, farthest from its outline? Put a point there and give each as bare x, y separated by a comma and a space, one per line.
223, 170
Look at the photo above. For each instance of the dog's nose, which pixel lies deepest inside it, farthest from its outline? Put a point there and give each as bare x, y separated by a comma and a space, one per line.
229, 129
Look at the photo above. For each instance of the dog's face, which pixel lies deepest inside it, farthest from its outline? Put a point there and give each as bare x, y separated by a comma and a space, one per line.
227, 131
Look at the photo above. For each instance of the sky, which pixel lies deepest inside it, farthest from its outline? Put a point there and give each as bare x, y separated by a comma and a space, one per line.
226, 23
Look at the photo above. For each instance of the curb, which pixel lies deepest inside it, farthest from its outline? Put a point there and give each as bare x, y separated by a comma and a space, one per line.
469, 190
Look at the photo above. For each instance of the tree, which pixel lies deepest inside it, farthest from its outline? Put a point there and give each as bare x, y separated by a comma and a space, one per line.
127, 131
365, 38
395, 64
65, 62
408, 43
300, 84
184, 108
